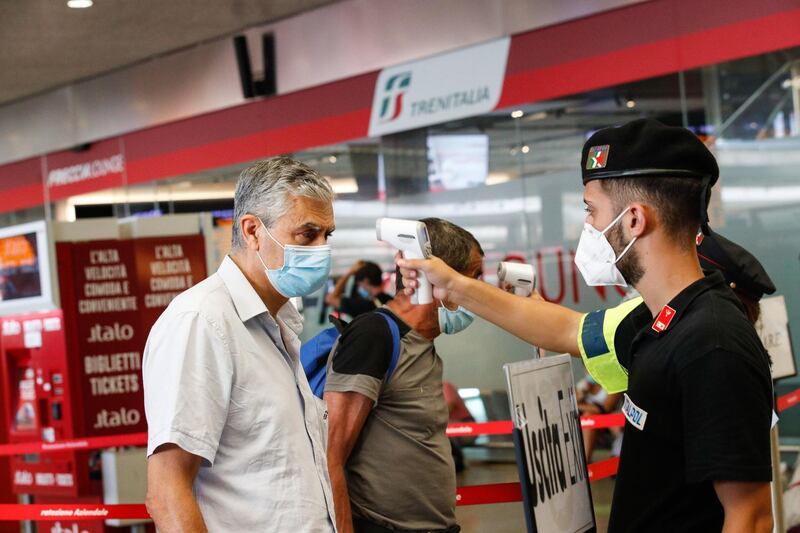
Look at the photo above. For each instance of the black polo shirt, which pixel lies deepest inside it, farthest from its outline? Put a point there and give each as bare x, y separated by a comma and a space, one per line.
698, 410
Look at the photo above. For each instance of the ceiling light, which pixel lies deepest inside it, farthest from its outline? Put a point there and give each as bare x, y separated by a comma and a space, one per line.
631, 103
79, 4
517, 114
525, 149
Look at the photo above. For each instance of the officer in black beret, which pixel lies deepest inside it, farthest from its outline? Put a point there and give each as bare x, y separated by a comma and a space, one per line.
698, 397
742, 272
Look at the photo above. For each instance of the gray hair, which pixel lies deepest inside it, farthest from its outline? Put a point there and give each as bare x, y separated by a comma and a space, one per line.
265, 189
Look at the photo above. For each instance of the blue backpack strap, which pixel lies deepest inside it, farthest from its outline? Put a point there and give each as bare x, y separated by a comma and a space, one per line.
395, 343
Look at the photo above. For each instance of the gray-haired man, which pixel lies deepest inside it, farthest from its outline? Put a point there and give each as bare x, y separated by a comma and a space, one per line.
236, 438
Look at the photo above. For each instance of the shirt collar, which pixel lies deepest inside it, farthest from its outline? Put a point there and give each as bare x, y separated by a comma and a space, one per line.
671, 313
248, 303
245, 298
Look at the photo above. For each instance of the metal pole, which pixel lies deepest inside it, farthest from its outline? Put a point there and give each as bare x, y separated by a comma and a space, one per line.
27, 525
795, 88
684, 103
777, 485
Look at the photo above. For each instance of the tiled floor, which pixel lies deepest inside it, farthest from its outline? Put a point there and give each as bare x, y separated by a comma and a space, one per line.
508, 517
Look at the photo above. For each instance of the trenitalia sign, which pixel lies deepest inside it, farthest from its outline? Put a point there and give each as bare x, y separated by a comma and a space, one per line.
450, 86
98, 168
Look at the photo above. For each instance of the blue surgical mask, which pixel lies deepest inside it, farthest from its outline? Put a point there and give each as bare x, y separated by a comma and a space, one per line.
364, 293
452, 322
305, 268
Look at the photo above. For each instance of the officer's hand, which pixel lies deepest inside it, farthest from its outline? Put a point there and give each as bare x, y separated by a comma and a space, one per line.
439, 274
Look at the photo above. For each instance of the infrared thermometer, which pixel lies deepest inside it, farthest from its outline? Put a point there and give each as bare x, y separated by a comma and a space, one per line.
521, 276
411, 238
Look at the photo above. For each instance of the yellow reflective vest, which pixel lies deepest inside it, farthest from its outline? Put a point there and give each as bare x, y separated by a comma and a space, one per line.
596, 341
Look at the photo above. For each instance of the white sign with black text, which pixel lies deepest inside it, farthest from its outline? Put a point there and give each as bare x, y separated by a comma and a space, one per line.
773, 328
553, 470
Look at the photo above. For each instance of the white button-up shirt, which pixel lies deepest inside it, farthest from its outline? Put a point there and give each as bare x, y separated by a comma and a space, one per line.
222, 380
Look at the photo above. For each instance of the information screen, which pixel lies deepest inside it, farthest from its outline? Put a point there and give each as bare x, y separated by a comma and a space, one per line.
20, 275
457, 161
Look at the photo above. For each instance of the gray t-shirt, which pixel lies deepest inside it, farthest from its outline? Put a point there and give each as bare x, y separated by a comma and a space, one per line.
400, 473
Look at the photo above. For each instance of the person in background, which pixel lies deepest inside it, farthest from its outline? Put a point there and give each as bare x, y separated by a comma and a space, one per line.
743, 273
390, 460
236, 439
367, 292
594, 400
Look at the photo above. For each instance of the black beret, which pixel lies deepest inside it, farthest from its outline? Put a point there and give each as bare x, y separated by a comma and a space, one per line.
741, 270
646, 147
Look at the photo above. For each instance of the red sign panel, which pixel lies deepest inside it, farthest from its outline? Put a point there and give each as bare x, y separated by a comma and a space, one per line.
112, 293
165, 267
100, 298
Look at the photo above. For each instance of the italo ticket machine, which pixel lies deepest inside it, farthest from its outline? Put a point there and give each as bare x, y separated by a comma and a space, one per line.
38, 405
36, 395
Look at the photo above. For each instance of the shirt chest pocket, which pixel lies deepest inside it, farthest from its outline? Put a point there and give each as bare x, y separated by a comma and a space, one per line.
419, 412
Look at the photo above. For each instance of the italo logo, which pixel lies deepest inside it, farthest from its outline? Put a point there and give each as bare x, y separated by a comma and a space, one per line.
111, 333
396, 87
114, 419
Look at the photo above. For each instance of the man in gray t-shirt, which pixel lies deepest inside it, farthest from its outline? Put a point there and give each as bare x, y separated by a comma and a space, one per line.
390, 461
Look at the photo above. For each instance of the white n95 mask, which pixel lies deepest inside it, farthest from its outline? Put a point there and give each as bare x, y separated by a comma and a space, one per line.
595, 257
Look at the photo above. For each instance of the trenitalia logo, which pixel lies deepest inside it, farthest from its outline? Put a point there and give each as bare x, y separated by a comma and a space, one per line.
449, 86
395, 88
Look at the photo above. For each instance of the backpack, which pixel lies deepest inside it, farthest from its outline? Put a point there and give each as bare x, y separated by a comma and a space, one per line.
315, 352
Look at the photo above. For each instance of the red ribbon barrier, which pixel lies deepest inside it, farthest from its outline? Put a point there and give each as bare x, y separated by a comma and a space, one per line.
471, 429
91, 443
71, 512
603, 469
504, 427
614, 420
788, 400
491, 493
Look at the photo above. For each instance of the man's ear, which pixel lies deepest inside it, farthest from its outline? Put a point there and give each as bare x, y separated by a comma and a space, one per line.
249, 225
639, 219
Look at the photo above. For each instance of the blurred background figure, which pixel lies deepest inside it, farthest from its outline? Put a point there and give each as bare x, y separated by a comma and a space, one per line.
367, 291
594, 400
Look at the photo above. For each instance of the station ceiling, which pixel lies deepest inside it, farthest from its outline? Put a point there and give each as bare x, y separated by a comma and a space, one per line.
44, 44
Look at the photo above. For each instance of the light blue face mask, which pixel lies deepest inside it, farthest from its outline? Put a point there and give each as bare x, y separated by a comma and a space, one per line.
364, 293
452, 322
305, 268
